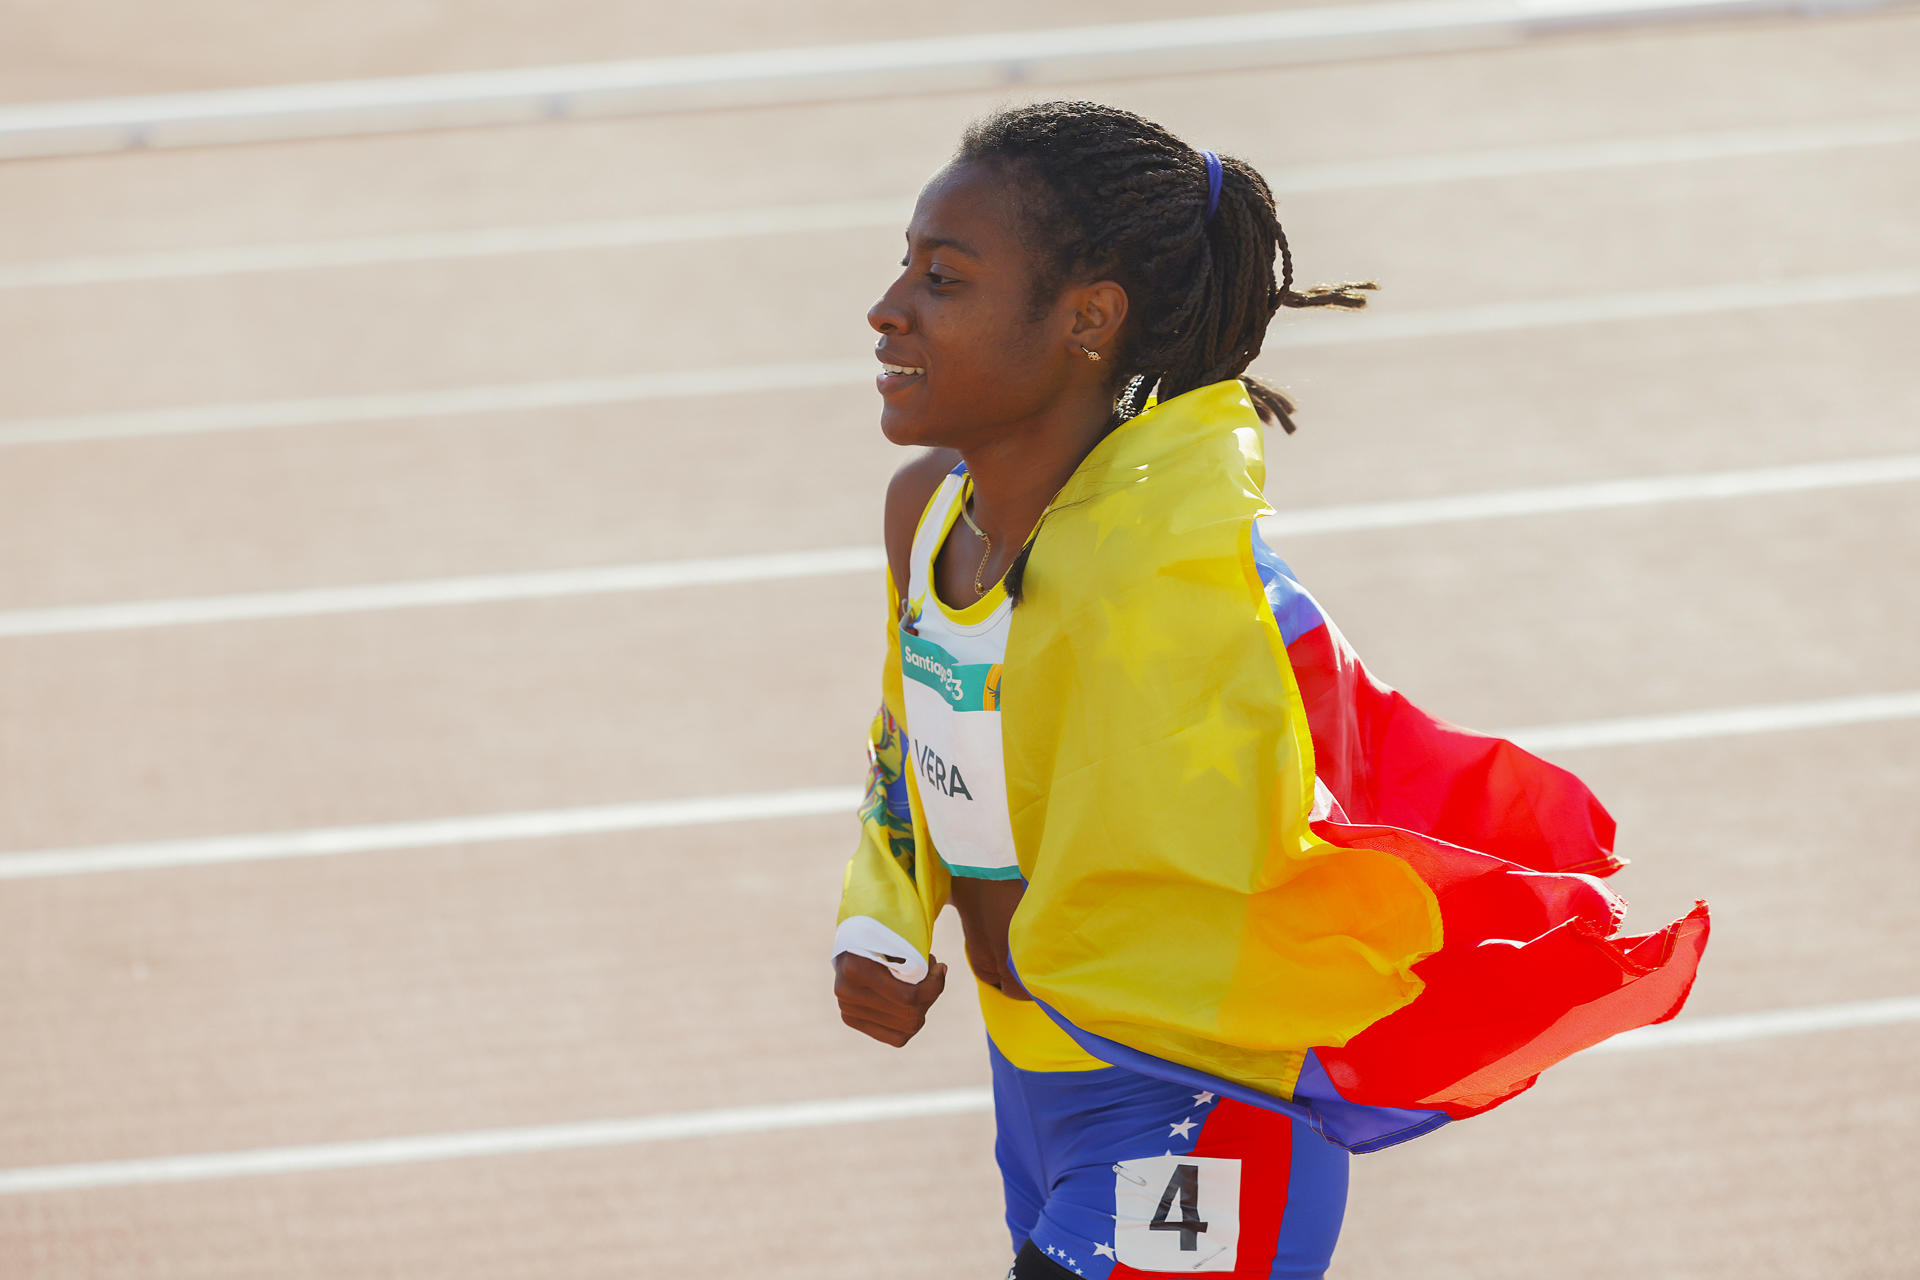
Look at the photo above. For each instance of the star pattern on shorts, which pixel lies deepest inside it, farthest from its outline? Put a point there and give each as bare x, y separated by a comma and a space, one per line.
1103, 1251
1182, 1129
1202, 1099
1066, 1260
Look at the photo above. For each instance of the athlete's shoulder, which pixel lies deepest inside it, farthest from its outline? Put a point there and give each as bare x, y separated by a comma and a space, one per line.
908, 493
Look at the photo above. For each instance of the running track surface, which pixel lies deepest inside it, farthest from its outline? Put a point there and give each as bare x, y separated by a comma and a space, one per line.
432, 992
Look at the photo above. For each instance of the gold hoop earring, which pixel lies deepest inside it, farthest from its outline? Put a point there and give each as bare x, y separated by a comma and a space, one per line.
1091, 355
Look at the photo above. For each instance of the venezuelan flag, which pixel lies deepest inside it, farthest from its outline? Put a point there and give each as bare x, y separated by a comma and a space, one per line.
1251, 867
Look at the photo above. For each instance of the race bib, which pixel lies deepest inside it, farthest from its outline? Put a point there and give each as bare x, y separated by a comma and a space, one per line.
1177, 1213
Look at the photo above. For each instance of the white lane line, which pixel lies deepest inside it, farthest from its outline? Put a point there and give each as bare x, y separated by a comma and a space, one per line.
323, 1157
433, 246
1600, 495
853, 215
538, 824
451, 402
1499, 317
780, 1117
1735, 1027
708, 810
835, 72
1575, 157
440, 592
1726, 722
495, 588
1370, 326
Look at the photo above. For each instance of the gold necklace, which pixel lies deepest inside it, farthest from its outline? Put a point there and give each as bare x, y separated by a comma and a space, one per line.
978, 589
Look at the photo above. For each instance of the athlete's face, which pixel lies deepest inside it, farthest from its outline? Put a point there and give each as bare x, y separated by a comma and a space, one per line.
960, 314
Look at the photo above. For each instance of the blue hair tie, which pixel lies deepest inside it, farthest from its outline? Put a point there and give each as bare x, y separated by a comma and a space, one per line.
1213, 182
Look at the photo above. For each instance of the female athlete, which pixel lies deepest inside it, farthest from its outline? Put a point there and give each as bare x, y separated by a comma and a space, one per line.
1222, 893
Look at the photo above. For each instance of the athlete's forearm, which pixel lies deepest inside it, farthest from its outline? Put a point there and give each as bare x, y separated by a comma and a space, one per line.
986, 908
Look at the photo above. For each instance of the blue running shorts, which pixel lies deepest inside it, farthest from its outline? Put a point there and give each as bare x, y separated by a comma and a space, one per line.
1112, 1174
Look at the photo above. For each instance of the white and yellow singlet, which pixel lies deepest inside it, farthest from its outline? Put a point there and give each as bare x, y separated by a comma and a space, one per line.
950, 665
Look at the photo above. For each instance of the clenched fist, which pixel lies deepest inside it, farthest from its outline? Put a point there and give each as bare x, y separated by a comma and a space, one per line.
872, 1000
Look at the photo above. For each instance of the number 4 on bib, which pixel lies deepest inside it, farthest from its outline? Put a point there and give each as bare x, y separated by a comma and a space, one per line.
1185, 1185
1177, 1213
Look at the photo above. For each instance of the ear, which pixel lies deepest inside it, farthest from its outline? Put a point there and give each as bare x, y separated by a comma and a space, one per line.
1099, 309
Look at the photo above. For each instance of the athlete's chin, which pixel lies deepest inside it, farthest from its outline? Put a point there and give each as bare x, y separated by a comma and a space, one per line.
903, 428
895, 429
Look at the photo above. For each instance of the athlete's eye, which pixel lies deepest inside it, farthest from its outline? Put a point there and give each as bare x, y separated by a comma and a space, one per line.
937, 279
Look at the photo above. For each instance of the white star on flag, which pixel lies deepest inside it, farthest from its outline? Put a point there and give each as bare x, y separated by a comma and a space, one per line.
1182, 1129
1202, 1099
1102, 1251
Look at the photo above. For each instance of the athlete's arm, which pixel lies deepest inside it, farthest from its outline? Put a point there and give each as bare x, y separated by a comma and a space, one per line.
908, 493
872, 1000
986, 908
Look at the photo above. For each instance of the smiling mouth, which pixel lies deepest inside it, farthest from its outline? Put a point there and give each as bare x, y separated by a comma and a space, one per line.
902, 370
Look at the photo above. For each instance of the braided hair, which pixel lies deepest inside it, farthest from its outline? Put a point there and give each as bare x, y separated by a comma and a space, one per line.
1102, 193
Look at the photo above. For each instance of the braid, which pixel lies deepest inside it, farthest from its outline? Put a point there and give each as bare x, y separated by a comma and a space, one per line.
1103, 193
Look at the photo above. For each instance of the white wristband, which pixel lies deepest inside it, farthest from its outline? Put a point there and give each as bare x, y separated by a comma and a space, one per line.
865, 936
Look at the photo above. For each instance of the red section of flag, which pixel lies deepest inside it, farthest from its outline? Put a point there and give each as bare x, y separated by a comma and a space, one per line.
1389, 763
1530, 970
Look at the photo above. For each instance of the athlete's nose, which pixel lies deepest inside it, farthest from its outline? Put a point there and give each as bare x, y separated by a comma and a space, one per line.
886, 315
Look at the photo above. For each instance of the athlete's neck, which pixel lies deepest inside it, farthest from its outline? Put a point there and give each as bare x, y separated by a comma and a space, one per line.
1015, 478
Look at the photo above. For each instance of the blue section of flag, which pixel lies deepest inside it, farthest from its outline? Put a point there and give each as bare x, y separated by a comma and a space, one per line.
1112, 1051
1294, 611
1357, 1127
